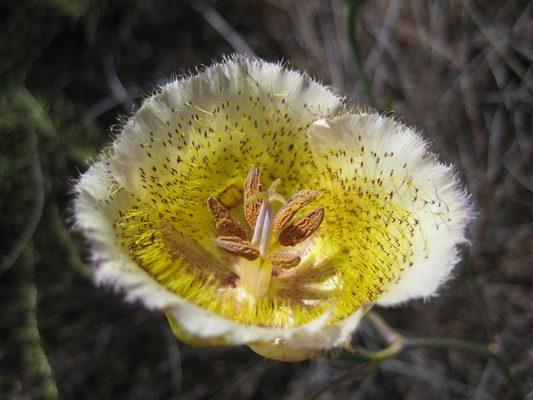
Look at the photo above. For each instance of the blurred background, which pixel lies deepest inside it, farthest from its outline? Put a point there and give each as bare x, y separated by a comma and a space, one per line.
460, 71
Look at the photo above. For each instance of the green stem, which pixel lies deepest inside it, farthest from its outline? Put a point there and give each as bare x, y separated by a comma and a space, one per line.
351, 17
33, 352
399, 343
66, 241
468, 347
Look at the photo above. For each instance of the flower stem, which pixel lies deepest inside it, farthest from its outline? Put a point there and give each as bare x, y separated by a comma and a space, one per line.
469, 347
351, 16
33, 353
399, 343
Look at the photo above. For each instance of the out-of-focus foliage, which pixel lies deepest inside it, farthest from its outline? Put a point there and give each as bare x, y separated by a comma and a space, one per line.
459, 70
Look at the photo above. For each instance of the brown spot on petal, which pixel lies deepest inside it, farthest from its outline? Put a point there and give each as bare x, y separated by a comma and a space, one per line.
236, 246
252, 186
224, 221
300, 230
284, 260
296, 202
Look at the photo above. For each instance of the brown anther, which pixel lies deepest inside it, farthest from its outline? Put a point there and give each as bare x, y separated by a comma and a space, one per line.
232, 228
236, 246
224, 221
252, 186
300, 230
296, 202
284, 260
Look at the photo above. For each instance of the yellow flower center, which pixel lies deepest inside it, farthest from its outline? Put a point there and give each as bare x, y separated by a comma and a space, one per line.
206, 150
259, 255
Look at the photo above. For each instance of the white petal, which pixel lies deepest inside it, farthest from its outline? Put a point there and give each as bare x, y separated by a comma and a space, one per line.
235, 80
114, 267
113, 185
442, 221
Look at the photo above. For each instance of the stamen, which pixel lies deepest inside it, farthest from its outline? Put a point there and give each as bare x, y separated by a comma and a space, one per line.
300, 230
224, 221
259, 213
284, 260
236, 246
297, 201
252, 186
231, 227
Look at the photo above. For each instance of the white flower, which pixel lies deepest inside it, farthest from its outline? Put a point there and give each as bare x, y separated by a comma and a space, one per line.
178, 214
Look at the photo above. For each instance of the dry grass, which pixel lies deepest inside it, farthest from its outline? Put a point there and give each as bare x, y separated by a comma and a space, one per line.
460, 71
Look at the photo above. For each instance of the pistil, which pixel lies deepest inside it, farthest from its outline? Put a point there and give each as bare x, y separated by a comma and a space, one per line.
266, 235
258, 230
265, 220
262, 259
